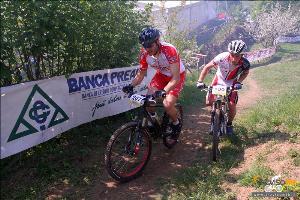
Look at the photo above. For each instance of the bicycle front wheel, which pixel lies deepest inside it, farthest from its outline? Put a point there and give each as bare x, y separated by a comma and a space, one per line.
216, 134
127, 152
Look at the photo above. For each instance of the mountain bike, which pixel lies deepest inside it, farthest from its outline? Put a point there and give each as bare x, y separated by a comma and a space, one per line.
219, 115
129, 148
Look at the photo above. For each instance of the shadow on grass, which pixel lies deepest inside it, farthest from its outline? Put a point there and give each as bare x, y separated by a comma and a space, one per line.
71, 161
255, 137
203, 180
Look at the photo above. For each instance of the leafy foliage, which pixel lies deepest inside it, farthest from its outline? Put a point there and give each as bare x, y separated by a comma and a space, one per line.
184, 43
48, 38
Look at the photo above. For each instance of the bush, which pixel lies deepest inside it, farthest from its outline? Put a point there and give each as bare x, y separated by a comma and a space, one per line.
48, 38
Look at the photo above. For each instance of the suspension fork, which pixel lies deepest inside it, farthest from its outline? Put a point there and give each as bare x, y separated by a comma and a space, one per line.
138, 137
215, 105
225, 110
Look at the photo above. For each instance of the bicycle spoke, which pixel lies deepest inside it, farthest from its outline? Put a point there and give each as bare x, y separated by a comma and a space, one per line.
129, 153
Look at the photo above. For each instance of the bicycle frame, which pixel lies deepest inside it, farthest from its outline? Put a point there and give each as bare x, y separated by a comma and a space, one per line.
129, 148
144, 117
221, 103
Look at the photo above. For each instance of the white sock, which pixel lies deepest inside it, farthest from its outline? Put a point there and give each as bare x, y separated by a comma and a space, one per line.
176, 122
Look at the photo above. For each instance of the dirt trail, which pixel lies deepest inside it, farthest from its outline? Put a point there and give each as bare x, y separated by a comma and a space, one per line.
251, 95
274, 151
164, 162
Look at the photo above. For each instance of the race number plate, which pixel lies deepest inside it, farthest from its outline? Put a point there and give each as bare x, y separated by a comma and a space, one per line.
137, 99
219, 90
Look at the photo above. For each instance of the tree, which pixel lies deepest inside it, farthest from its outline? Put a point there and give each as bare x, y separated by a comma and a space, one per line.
274, 22
184, 42
49, 38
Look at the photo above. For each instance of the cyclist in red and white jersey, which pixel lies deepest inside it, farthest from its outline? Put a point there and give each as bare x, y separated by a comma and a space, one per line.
232, 69
170, 72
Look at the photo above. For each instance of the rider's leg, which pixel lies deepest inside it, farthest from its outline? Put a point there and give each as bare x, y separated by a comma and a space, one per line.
232, 112
209, 100
154, 85
169, 104
233, 98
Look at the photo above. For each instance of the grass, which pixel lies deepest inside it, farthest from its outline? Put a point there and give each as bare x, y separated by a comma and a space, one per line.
72, 161
256, 176
202, 181
295, 155
279, 111
191, 96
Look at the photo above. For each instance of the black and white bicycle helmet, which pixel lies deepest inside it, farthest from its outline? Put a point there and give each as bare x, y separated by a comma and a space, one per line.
148, 36
237, 46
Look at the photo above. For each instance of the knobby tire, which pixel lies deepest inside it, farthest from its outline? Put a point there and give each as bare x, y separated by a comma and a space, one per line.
216, 133
129, 152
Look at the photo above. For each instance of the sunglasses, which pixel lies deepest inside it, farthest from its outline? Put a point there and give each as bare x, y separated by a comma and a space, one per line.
148, 46
235, 54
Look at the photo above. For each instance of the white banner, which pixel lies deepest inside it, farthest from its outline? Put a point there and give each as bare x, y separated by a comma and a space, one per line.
34, 112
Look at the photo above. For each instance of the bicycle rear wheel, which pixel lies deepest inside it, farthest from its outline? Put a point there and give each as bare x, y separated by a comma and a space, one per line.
169, 139
216, 134
127, 152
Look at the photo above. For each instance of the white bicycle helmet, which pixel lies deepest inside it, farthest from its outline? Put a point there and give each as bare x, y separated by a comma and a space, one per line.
237, 46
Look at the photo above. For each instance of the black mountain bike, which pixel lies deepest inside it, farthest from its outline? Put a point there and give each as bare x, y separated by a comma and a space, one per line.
219, 115
129, 148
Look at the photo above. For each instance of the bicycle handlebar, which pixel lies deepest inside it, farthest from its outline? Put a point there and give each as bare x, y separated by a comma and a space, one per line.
147, 96
143, 99
208, 88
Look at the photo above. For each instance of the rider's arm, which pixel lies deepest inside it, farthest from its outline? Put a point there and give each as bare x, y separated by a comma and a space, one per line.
142, 71
139, 77
246, 67
175, 70
243, 76
205, 70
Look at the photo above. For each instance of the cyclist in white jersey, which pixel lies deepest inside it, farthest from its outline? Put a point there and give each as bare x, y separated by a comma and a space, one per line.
170, 72
232, 69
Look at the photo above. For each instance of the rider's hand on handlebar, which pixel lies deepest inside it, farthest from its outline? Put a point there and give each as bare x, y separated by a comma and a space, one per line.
237, 86
127, 89
160, 94
200, 85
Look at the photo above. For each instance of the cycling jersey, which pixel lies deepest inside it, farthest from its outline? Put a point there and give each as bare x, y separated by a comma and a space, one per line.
226, 72
159, 81
168, 55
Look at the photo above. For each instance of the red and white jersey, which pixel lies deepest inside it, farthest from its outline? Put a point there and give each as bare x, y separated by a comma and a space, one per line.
227, 73
168, 55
